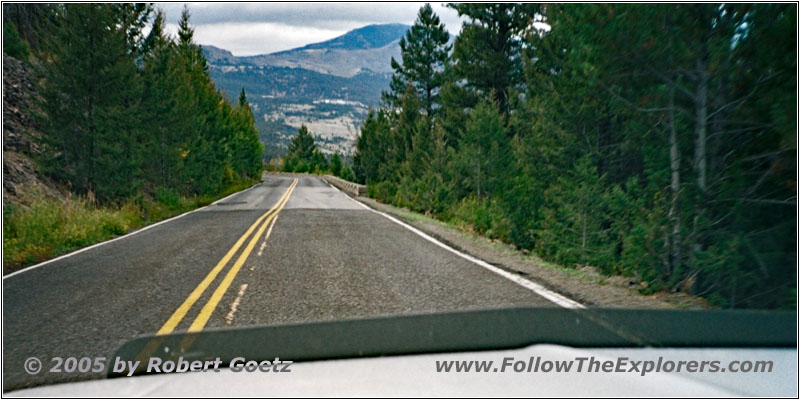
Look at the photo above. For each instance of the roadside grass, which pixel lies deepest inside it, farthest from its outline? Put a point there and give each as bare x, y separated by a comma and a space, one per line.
40, 228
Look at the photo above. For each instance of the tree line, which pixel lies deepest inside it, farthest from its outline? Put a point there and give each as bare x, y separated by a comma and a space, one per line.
125, 110
655, 141
304, 156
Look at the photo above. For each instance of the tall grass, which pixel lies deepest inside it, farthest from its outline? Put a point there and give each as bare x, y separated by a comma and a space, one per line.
44, 228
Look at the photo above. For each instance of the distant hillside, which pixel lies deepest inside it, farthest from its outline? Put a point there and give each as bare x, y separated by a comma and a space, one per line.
327, 86
283, 99
297, 85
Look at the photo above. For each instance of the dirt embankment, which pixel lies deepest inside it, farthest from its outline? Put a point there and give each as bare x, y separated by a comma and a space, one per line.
21, 178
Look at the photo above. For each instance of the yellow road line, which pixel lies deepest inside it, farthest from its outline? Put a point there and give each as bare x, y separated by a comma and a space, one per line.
184, 308
211, 305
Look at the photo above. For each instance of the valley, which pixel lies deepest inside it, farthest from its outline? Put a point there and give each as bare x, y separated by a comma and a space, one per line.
327, 86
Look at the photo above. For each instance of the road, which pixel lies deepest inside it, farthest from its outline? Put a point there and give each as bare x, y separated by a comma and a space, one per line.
286, 250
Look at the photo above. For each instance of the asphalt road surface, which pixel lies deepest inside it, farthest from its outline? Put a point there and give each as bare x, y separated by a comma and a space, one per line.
286, 250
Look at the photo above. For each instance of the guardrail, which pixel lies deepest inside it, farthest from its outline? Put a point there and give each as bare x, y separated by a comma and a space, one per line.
349, 187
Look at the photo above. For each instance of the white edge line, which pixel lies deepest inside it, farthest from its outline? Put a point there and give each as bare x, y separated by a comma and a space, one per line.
548, 294
266, 237
335, 188
123, 236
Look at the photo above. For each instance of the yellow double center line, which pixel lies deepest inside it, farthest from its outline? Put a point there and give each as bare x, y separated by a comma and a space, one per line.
209, 307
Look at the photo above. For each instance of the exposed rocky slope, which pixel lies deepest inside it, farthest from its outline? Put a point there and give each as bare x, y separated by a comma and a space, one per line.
20, 129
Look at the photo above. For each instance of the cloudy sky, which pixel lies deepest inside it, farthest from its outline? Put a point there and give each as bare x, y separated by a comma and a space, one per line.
259, 28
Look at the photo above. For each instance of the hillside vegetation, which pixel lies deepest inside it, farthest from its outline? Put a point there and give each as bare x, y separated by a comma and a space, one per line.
655, 141
131, 126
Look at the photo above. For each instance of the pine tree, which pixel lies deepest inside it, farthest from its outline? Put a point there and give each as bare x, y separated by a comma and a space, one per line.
91, 97
424, 52
370, 158
205, 116
336, 164
303, 155
243, 99
126, 112
247, 149
405, 124
318, 163
302, 145
163, 137
483, 151
487, 53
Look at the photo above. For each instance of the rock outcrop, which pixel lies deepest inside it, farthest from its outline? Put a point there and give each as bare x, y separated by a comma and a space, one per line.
20, 130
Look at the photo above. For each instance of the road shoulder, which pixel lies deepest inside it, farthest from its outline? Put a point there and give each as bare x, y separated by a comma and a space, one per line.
586, 285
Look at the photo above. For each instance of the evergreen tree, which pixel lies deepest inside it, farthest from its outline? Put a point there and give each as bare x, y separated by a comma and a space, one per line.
655, 141
303, 145
370, 156
247, 149
303, 155
32, 21
483, 151
406, 121
205, 115
424, 51
487, 53
243, 99
124, 111
90, 98
336, 164
163, 138
318, 163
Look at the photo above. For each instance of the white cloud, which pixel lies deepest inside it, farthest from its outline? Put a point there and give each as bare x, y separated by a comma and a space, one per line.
252, 38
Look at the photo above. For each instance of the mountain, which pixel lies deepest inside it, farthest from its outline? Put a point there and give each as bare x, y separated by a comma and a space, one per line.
215, 55
368, 37
328, 86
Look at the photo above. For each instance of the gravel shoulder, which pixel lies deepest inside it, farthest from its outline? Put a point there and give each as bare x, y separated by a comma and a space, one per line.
584, 285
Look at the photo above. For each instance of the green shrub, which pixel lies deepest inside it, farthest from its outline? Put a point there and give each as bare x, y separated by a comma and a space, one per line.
168, 197
383, 191
302, 166
482, 216
269, 167
347, 174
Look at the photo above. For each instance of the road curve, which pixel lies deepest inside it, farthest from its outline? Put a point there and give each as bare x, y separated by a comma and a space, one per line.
312, 254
